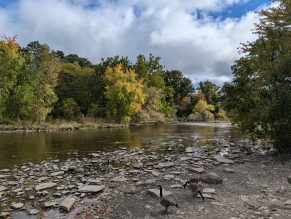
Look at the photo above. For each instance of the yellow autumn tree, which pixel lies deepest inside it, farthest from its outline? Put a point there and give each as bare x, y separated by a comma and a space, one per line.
124, 93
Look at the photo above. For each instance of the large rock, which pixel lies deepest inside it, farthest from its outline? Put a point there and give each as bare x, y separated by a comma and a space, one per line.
44, 186
67, 204
91, 189
156, 192
211, 178
289, 179
222, 159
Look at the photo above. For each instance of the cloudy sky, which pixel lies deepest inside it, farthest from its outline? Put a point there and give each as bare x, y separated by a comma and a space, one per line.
198, 37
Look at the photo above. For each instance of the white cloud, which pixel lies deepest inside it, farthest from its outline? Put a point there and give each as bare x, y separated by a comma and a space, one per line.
202, 49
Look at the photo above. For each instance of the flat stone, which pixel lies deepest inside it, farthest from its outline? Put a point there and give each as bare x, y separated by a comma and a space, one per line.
91, 189
3, 188
59, 173
289, 179
184, 158
67, 204
206, 196
189, 150
169, 177
222, 159
155, 173
33, 212
211, 178
50, 204
217, 203
4, 214
44, 186
129, 189
119, 179
198, 170
17, 206
176, 186
228, 170
94, 181
288, 202
209, 190
156, 192
137, 165
164, 165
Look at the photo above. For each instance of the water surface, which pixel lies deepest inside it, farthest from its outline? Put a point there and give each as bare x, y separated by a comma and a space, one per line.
19, 148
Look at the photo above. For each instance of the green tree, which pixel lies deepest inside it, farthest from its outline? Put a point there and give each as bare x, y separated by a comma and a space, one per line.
210, 91
124, 94
258, 99
43, 66
16, 94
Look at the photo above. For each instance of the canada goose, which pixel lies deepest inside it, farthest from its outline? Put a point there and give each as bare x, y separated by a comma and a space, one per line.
195, 187
166, 202
195, 179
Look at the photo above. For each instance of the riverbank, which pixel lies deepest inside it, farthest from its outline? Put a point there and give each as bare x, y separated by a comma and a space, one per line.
69, 126
246, 183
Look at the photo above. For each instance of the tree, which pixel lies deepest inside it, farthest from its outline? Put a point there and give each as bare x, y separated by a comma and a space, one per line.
182, 86
43, 67
124, 93
258, 99
210, 91
16, 94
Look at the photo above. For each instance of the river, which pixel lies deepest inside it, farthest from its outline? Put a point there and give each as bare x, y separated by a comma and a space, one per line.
19, 148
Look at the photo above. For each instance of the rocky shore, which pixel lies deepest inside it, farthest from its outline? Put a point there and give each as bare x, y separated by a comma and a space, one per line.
238, 182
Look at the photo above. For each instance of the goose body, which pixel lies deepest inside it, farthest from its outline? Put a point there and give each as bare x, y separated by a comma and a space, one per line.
166, 202
195, 188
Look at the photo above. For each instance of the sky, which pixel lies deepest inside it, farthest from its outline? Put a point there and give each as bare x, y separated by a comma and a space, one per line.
198, 37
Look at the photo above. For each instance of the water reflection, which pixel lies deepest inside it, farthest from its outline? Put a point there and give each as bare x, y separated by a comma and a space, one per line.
18, 148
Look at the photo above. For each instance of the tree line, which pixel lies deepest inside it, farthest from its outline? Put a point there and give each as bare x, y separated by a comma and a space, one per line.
40, 84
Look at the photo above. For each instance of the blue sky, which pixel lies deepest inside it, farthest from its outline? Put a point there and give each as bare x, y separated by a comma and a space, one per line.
171, 29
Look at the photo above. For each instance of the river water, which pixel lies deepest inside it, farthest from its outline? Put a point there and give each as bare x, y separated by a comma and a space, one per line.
19, 148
